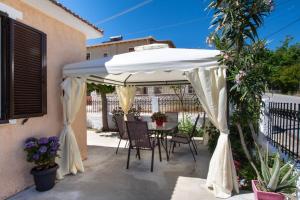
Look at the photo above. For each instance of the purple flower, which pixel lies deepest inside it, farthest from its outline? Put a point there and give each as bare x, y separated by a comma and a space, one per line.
36, 156
54, 145
43, 149
53, 139
30, 144
54, 148
52, 153
31, 139
43, 140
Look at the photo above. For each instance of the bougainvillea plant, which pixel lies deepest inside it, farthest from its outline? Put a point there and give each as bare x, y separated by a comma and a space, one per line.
42, 152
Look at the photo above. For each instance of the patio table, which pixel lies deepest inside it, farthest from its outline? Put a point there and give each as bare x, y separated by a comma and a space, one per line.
161, 131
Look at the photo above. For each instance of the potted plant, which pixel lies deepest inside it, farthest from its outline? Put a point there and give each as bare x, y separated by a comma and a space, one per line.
119, 111
275, 179
159, 118
42, 152
136, 113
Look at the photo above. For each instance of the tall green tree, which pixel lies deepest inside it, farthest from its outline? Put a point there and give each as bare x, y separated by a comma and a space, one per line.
285, 61
102, 90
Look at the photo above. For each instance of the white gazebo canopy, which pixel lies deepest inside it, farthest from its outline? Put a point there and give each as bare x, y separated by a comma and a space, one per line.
146, 67
164, 66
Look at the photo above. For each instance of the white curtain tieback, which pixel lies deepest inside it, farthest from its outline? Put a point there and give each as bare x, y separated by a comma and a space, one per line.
225, 132
66, 123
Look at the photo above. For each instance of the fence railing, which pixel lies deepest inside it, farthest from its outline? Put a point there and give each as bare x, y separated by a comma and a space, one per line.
284, 127
166, 103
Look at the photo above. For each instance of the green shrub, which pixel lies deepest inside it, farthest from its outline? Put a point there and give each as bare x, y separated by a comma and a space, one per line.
186, 127
213, 134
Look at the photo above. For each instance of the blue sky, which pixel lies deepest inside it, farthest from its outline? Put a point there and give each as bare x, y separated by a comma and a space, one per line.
185, 22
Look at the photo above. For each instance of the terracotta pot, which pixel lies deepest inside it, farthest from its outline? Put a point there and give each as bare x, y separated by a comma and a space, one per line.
159, 122
260, 195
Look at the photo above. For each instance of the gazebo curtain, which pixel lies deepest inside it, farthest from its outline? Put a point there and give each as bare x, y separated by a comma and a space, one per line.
210, 88
126, 96
69, 159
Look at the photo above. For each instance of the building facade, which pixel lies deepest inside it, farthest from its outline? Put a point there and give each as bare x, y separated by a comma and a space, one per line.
116, 45
46, 36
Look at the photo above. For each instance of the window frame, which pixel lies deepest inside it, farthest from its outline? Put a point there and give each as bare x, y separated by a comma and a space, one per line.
88, 56
158, 90
191, 90
4, 116
7, 70
130, 49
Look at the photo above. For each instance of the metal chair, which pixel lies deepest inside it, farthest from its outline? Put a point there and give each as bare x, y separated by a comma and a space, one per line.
172, 116
139, 139
185, 139
130, 117
120, 123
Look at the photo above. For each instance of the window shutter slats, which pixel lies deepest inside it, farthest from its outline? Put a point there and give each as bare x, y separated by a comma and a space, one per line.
28, 95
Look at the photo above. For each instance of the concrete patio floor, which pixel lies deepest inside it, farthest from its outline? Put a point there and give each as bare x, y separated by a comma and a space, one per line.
106, 178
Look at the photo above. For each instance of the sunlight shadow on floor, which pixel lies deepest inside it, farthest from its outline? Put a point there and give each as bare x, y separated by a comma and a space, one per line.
191, 188
104, 139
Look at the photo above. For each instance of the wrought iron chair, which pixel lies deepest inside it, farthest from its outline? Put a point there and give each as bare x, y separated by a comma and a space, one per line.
139, 139
185, 139
130, 117
120, 123
172, 116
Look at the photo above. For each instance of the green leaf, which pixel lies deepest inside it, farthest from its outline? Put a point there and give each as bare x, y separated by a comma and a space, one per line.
264, 167
267, 157
287, 175
245, 93
272, 185
288, 184
234, 87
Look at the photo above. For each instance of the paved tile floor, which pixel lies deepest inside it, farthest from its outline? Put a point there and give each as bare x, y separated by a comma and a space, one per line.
106, 178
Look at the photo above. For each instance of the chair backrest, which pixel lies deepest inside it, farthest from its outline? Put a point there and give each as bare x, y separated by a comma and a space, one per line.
138, 134
172, 116
192, 134
130, 117
121, 126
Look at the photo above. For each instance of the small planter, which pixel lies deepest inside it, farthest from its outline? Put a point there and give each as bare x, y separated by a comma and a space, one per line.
159, 118
260, 195
159, 122
44, 179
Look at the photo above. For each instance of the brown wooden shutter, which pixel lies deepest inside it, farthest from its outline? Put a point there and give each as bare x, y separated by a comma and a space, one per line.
28, 90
